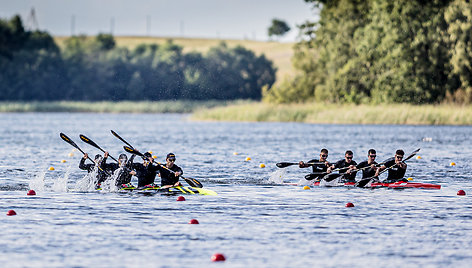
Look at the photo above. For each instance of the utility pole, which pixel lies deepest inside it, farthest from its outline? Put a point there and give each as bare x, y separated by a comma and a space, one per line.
72, 25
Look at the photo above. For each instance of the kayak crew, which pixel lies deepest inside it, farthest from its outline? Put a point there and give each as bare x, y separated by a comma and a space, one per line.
369, 172
146, 172
122, 170
318, 168
347, 166
170, 178
396, 168
99, 165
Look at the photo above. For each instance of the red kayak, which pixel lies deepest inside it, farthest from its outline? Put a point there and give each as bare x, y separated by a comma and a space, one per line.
393, 185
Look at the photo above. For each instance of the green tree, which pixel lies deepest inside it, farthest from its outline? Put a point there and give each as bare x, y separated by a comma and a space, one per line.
278, 28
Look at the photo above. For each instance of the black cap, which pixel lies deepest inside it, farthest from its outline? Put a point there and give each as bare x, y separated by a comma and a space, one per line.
170, 155
97, 156
147, 154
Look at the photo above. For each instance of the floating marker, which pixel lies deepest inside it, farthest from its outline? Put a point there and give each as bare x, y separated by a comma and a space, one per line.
349, 205
410, 179
262, 166
154, 156
150, 152
11, 212
248, 159
418, 157
235, 153
71, 154
63, 161
218, 257
180, 198
31, 192
193, 221
51, 168
461, 192
452, 164
306, 187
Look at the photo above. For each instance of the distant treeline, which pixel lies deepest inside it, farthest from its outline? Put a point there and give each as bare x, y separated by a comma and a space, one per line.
33, 67
377, 51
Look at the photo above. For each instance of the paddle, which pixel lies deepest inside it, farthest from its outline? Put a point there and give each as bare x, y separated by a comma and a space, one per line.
191, 181
89, 141
362, 183
66, 139
120, 138
287, 164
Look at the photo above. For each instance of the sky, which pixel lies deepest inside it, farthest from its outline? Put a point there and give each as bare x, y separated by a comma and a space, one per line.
223, 19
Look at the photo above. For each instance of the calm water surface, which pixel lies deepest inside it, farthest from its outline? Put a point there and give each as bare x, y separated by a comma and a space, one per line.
255, 221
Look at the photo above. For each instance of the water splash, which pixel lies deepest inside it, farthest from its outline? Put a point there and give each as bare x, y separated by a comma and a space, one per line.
88, 182
109, 185
60, 184
37, 182
277, 176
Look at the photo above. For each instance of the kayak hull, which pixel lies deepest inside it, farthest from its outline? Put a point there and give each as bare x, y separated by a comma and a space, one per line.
394, 185
170, 191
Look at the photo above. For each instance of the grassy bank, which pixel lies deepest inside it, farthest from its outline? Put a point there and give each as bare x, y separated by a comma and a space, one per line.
341, 114
109, 107
279, 53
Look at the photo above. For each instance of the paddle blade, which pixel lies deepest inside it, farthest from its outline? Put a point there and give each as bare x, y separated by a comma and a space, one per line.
89, 141
193, 182
311, 176
285, 164
331, 177
412, 154
66, 139
120, 138
362, 183
132, 151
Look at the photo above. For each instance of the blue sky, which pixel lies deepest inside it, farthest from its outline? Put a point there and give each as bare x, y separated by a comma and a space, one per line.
226, 19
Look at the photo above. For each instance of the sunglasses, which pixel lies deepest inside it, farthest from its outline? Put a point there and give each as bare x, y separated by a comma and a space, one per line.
348, 157
372, 155
399, 157
171, 159
324, 155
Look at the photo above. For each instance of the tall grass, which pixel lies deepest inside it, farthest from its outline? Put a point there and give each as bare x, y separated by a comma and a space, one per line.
341, 114
109, 107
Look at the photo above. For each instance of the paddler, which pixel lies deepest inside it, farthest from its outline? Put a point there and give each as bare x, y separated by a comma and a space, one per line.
318, 168
347, 167
101, 176
146, 172
369, 166
396, 168
170, 178
121, 170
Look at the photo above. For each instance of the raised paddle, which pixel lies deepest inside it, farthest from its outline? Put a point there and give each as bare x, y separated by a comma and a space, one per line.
362, 183
191, 181
120, 138
68, 140
287, 164
89, 141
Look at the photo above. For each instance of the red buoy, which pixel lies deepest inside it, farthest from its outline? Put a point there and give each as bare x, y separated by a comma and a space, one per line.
180, 198
11, 212
461, 192
349, 205
193, 221
31, 192
218, 257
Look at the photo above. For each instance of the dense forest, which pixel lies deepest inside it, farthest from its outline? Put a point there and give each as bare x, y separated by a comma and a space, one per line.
376, 51
33, 67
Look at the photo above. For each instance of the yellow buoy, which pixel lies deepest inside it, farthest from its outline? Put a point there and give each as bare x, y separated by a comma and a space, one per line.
418, 157
235, 153
51, 168
410, 179
453, 164
154, 156
248, 159
63, 161
71, 154
262, 166
306, 187
150, 152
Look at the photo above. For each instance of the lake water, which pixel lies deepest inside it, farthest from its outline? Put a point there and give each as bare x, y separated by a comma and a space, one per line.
255, 221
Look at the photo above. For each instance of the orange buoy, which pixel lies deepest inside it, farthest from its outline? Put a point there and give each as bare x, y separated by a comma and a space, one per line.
218, 257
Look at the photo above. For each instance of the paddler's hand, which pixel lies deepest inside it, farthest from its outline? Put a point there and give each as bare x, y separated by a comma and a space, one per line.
133, 173
402, 165
301, 164
85, 155
178, 173
105, 155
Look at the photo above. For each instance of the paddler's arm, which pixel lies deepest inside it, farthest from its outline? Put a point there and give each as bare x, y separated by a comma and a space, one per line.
82, 162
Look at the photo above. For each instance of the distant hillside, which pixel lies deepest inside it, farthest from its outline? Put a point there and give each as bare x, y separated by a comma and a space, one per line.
279, 53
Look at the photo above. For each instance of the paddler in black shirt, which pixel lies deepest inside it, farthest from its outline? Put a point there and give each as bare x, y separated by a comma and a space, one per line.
121, 170
146, 172
347, 166
318, 168
98, 162
368, 172
170, 178
396, 168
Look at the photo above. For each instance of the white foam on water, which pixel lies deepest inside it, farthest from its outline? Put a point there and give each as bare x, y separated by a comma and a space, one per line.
109, 185
60, 184
37, 182
88, 182
277, 176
